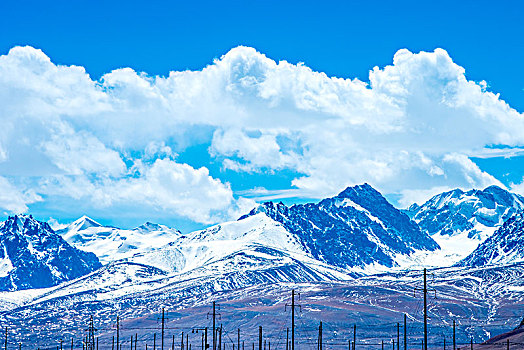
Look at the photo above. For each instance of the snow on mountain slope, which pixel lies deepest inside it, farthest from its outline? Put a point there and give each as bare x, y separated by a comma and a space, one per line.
460, 220
223, 257
32, 255
111, 243
487, 298
240, 242
505, 246
357, 228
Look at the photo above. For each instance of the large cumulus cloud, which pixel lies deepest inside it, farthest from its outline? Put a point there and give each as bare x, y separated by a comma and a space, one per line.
412, 130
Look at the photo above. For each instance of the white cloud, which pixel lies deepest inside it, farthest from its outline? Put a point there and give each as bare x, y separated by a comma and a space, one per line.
413, 127
176, 187
165, 185
518, 188
78, 153
14, 199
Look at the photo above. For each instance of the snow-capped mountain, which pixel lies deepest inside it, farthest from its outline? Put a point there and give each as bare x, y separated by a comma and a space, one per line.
356, 228
256, 243
112, 243
252, 263
32, 255
460, 220
506, 245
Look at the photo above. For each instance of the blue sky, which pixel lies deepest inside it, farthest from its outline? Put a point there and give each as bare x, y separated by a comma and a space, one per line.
340, 39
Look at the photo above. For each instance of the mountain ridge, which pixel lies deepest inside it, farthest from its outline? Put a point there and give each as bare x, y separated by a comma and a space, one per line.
505, 246
348, 226
32, 255
460, 220
111, 243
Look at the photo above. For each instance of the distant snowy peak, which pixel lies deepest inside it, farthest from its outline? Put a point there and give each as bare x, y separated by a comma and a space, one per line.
112, 243
32, 255
475, 213
506, 245
225, 246
356, 228
152, 227
84, 223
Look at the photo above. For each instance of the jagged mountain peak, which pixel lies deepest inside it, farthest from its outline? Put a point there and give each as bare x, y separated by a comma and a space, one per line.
32, 255
460, 220
25, 225
506, 245
351, 191
459, 211
358, 227
489, 194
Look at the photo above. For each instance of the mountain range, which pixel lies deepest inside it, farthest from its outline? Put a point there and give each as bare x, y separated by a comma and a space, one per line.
356, 228
357, 231
112, 243
354, 240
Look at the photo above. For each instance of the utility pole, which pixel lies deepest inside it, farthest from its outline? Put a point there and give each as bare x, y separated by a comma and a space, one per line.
117, 333
214, 314
162, 341
90, 341
425, 311
238, 339
425, 291
293, 317
454, 342
354, 336
398, 336
320, 336
259, 337
405, 332
214, 334
287, 339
